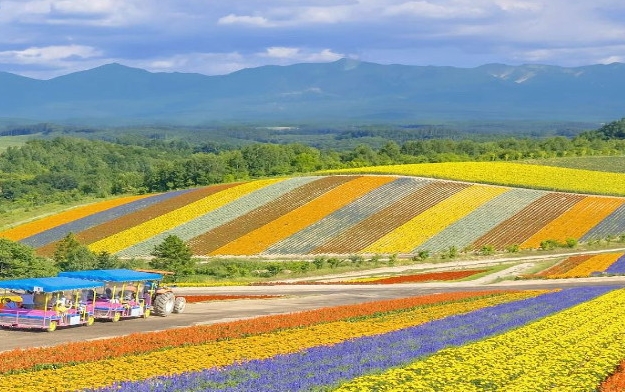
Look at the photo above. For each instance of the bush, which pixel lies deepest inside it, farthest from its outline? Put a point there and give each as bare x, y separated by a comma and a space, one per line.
514, 248
549, 244
487, 250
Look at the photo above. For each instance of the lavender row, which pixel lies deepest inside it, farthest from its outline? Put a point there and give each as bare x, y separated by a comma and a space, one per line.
324, 367
467, 230
78, 225
618, 267
613, 224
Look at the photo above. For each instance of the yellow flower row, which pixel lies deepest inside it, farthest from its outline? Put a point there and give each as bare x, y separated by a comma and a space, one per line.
575, 222
35, 227
573, 350
511, 174
161, 223
427, 224
598, 263
221, 353
260, 239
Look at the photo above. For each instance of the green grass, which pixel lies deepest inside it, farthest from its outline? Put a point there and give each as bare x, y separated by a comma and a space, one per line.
614, 164
13, 141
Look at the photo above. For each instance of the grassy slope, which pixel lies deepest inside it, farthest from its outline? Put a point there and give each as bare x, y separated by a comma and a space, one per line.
12, 141
605, 164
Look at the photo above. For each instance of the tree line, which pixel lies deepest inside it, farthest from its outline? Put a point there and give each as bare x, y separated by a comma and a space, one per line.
69, 169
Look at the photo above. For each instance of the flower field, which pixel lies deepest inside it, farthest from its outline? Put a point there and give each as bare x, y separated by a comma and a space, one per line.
581, 266
565, 340
549, 178
342, 214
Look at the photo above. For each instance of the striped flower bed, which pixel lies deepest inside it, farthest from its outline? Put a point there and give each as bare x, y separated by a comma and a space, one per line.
330, 215
425, 277
567, 340
581, 266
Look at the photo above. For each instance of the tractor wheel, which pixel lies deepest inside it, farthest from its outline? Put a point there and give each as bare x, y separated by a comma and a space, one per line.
179, 304
163, 304
116, 317
52, 326
90, 321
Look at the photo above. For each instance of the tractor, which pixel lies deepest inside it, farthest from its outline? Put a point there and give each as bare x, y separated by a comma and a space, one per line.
163, 300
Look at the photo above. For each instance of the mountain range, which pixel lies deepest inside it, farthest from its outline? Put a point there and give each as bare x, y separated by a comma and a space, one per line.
345, 91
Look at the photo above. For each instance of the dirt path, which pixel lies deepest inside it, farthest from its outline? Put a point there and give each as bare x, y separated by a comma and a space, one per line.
297, 297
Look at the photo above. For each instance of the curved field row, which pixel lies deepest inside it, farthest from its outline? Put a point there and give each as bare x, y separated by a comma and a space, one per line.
314, 359
509, 174
431, 221
581, 266
221, 235
528, 221
295, 220
618, 267
468, 229
221, 353
53, 235
573, 350
597, 263
31, 228
564, 266
575, 222
128, 237
424, 277
331, 226
113, 223
220, 216
335, 215
377, 225
614, 224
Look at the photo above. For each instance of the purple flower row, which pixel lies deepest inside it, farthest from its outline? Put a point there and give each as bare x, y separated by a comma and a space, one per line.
618, 267
78, 225
324, 367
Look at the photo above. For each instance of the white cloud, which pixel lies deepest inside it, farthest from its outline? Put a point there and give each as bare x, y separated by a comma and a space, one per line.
48, 55
246, 20
281, 52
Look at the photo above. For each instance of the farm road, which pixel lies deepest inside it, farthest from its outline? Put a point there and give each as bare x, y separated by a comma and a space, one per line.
293, 298
299, 296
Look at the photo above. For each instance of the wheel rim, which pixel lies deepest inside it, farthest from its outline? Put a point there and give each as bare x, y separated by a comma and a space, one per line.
90, 320
52, 326
116, 317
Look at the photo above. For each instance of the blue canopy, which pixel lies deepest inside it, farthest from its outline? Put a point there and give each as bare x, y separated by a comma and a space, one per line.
113, 275
49, 284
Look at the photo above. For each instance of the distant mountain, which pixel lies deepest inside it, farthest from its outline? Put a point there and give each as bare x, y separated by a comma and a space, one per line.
345, 90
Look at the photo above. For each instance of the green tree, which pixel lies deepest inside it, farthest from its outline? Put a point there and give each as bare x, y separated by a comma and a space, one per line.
105, 260
20, 261
174, 255
71, 255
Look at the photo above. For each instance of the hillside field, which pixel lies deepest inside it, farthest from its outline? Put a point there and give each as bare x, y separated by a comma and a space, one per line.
400, 211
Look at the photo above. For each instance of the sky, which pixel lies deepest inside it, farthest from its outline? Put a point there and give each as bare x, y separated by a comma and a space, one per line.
44, 39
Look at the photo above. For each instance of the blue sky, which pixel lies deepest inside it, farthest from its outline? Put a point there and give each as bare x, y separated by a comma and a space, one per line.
47, 38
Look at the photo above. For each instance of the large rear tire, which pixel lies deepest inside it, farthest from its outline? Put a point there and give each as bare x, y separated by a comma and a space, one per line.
163, 304
180, 303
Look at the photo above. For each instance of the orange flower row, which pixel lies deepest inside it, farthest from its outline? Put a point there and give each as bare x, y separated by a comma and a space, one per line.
428, 277
75, 352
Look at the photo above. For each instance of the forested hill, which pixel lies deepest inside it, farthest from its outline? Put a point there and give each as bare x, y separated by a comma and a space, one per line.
345, 90
63, 169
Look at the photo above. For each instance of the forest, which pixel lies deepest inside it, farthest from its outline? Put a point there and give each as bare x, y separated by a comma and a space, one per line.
62, 169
